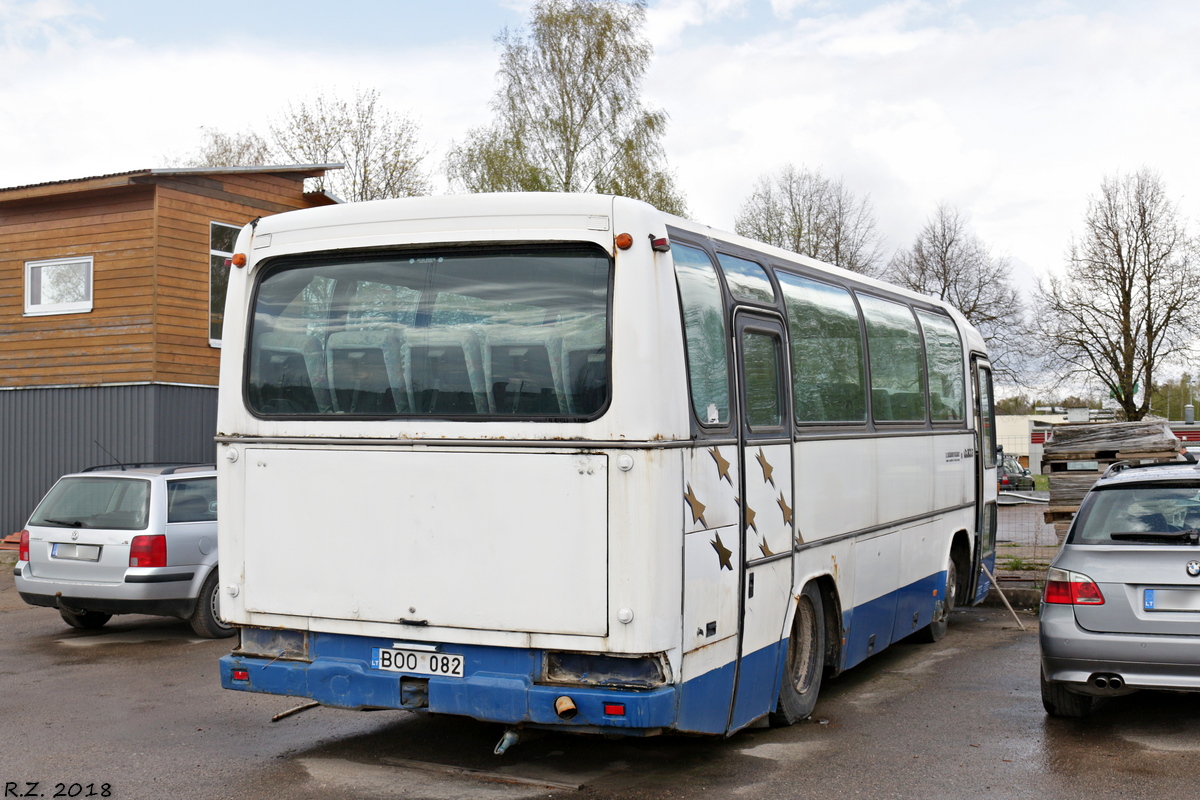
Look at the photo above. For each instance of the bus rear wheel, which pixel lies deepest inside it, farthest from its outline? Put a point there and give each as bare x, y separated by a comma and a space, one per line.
805, 660
936, 629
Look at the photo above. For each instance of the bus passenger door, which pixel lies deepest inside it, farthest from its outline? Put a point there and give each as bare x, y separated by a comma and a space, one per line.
765, 502
985, 483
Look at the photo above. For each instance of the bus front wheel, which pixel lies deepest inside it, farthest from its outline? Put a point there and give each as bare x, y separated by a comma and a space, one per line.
805, 660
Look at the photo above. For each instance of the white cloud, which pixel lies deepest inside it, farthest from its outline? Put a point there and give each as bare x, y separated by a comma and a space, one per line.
1015, 121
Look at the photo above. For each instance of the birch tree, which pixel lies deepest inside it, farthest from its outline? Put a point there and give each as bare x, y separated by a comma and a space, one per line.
568, 116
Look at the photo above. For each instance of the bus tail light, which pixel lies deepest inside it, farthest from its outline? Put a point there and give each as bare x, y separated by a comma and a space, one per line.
23, 547
1071, 588
240, 675
148, 551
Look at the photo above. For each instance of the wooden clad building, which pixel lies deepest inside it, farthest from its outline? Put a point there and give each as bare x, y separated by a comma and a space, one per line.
111, 302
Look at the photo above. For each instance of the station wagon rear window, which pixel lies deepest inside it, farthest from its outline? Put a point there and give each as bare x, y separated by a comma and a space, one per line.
1144, 513
106, 503
512, 333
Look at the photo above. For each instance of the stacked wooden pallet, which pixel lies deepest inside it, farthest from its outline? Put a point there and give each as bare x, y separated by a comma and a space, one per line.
1075, 456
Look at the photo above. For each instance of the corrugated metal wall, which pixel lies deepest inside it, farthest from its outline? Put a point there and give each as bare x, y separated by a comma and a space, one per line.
45, 433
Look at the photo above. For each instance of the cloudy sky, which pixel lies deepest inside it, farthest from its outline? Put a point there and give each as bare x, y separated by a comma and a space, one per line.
1013, 110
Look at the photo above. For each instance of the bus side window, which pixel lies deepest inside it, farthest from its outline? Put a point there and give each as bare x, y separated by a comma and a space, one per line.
705, 332
944, 357
897, 361
827, 356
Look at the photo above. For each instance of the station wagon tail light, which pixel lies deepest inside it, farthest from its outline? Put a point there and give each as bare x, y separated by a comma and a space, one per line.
148, 551
1071, 588
23, 547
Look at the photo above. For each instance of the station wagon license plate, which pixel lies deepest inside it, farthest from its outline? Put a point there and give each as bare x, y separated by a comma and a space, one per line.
412, 662
76, 552
1171, 600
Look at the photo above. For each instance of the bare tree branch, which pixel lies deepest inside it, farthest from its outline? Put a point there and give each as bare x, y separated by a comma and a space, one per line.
1119, 315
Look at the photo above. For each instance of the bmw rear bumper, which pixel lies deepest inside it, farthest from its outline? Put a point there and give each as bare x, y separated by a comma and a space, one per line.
1073, 655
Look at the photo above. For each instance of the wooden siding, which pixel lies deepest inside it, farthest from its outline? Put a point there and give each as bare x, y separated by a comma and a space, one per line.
149, 240
185, 208
113, 343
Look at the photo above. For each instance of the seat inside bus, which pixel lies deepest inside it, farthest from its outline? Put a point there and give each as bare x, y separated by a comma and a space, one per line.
366, 372
291, 374
524, 369
443, 371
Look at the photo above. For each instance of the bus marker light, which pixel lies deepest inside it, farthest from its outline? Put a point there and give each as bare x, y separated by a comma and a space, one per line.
660, 245
624, 241
241, 675
614, 709
238, 260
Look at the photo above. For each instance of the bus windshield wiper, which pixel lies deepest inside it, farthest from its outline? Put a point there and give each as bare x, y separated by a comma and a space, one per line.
1190, 536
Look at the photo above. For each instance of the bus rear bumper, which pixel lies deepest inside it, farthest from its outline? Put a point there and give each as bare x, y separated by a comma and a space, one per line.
491, 697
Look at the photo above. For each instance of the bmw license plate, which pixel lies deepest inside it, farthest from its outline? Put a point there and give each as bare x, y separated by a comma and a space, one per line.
1171, 600
415, 662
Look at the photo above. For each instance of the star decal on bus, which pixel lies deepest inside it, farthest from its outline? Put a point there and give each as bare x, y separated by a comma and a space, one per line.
723, 553
749, 514
722, 465
766, 551
768, 470
697, 506
787, 512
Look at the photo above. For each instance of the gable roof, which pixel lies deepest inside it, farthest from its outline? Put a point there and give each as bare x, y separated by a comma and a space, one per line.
143, 176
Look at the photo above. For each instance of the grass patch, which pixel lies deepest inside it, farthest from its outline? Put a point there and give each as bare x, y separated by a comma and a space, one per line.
1041, 483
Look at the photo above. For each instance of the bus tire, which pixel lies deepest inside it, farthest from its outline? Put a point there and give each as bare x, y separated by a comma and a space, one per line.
805, 663
936, 629
205, 620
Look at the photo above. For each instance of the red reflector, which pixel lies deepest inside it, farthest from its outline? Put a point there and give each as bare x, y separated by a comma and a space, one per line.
241, 674
614, 709
1058, 592
148, 551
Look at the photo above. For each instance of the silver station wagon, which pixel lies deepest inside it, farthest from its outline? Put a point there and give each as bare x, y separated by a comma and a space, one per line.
1121, 608
126, 540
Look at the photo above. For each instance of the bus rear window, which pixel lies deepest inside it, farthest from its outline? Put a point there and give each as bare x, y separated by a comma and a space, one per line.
513, 333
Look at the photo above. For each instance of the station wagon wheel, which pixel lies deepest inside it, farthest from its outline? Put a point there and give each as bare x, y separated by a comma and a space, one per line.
1059, 701
206, 619
84, 620
805, 660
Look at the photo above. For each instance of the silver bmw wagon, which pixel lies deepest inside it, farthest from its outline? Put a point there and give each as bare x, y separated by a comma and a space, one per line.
1121, 607
126, 540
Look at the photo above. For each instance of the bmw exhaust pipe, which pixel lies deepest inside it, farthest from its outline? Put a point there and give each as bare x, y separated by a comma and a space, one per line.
1107, 681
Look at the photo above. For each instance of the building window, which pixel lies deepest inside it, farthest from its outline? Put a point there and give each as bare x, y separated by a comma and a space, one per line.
58, 286
221, 238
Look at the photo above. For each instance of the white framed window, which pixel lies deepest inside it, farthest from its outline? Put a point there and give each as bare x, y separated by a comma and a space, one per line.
58, 286
221, 239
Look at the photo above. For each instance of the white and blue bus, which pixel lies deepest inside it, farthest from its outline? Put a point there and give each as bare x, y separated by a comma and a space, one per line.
566, 461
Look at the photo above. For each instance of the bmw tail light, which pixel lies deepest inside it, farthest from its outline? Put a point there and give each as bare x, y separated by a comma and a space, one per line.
23, 547
1071, 588
148, 551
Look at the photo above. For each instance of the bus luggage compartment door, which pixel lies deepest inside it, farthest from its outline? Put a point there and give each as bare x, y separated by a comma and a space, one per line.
440, 538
